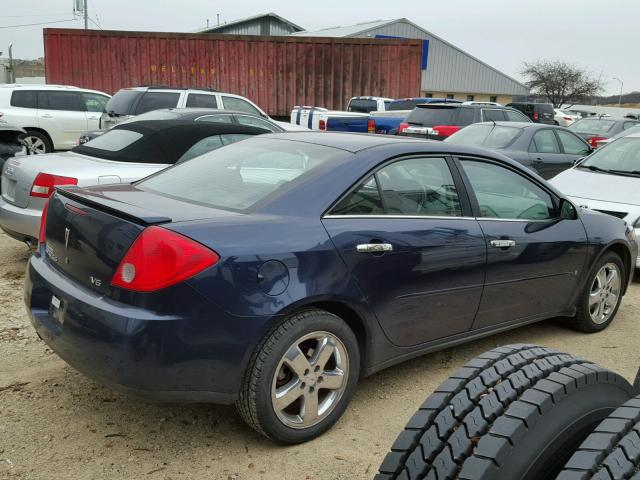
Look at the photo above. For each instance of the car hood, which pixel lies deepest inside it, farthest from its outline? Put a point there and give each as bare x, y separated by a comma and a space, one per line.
604, 187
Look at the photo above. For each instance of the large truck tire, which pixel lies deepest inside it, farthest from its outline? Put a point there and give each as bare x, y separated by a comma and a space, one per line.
514, 413
612, 450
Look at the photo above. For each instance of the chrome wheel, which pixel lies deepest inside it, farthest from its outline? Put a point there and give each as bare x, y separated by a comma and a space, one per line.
34, 145
604, 293
310, 380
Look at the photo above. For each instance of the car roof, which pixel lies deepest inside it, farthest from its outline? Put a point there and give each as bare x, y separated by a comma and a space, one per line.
147, 126
535, 126
200, 111
50, 87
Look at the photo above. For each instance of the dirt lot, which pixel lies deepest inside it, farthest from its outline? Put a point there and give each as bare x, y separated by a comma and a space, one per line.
57, 424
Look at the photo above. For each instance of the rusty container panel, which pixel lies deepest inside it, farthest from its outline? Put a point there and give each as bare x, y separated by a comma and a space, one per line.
275, 72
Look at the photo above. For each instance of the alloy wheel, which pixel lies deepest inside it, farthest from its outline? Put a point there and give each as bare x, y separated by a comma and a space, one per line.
34, 145
604, 293
310, 380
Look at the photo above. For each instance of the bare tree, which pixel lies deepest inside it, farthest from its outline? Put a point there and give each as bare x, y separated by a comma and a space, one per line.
560, 82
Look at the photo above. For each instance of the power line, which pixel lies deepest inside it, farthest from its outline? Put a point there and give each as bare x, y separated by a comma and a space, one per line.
91, 20
36, 15
41, 23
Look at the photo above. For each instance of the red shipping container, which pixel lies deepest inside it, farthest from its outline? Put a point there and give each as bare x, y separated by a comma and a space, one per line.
275, 72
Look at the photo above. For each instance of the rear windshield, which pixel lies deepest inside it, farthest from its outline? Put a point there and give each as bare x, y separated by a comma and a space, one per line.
487, 136
545, 108
432, 116
592, 125
114, 140
364, 106
122, 101
239, 176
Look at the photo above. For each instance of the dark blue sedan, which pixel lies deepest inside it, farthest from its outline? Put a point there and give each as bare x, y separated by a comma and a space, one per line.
276, 272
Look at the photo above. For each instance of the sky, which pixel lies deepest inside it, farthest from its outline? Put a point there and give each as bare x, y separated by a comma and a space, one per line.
600, 36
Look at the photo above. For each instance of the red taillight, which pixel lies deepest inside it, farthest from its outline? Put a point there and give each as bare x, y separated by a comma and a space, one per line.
567, 118
371, 126
159, 258
42, 235
402, 127
322, 124
444, 130
535, 116
45, 183
593, 141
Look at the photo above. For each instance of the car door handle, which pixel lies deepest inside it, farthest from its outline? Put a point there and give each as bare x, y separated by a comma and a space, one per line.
502, 243
46, 115
538, 160
93, 118
374, 247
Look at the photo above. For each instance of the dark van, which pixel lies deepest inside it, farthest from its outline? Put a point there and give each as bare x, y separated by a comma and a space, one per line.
537, 112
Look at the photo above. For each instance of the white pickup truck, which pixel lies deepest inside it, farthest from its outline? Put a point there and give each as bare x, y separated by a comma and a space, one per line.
317, 118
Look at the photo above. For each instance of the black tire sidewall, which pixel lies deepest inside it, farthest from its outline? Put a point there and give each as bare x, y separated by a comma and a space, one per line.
267, 418
552, 440
583, 316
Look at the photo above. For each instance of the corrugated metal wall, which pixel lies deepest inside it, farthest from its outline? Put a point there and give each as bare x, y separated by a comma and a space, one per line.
450, 69
258, 26
275, 72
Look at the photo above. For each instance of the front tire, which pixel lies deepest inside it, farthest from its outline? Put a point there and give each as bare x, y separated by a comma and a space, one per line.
36, 142
602, 294
301, 377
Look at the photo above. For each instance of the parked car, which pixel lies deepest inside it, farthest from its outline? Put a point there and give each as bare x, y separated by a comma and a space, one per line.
125, 153
197, 115
52, 115
545, 149
316, 118
537, 112
607, 181
11, 143
623, 133
580, 113
437, 121
368, 104
596, 129
130, 102
563, 118
294, 264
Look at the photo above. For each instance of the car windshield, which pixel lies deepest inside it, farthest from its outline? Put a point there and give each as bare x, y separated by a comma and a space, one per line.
488, 136
592, 125
621, 156
239, 176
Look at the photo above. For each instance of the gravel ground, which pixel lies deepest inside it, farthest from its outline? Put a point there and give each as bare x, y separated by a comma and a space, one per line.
57, 424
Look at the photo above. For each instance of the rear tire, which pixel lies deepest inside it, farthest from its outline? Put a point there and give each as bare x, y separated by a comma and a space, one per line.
36, 142
600, 281
513, 413
612, 450
301, 377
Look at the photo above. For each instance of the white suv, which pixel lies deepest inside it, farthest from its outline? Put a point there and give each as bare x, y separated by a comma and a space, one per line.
129, 102
52, 115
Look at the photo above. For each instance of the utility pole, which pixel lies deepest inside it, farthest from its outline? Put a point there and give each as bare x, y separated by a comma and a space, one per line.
620, 97
86, 15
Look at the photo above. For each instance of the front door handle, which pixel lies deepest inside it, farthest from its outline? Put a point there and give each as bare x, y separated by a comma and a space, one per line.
502, 243
374, 247
46, 115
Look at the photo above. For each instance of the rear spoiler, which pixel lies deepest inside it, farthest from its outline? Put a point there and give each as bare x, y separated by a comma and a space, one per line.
119, 209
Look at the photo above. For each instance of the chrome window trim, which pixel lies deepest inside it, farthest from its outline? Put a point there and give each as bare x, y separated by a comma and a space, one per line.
441, 217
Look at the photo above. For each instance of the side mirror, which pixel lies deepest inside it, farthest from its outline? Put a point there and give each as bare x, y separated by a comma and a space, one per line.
567, 210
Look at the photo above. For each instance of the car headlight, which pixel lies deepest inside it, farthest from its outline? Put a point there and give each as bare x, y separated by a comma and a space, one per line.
631, 234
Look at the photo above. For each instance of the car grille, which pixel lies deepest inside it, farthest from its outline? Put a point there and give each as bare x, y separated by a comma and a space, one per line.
610, 212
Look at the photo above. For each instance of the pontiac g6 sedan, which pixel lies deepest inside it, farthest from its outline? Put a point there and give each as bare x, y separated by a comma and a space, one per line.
275, 272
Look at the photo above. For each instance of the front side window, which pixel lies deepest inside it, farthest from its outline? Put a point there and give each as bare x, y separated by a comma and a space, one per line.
544, 141
69, 101
572, 145
416, 187
223, 118
94, 102
257, 122
23, 98
503, 193
201, 100
240, 105
155, 100
514, 116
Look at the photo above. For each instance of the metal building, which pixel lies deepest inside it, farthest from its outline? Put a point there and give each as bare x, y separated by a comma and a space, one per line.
264, 24
447, 71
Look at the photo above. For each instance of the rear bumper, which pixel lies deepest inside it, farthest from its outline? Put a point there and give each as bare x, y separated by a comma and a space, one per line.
20, 223
198, 354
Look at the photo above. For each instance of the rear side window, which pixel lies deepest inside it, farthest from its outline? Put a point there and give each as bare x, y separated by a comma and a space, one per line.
361, 105
23, 98
203, 146
544, 141
216, 118
156, 100
122, 102
201, 100
494, 115
256, 122
234, 103
68, 101
515, 116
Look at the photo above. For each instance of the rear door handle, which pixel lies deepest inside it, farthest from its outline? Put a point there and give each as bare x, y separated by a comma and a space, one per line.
502, 243
374, 247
